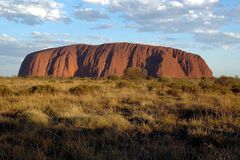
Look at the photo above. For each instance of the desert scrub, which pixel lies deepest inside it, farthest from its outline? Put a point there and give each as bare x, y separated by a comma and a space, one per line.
135, 73
39, 89
34, 117
226, 81
141, 118
114, 121
128, 121
124, 84
153, 86
5, 91
84, 89
133, 101
191, 88
206, 85
173, 92
114, 77
235, 89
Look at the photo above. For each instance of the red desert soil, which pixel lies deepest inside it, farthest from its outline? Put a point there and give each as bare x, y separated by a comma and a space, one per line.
113, 59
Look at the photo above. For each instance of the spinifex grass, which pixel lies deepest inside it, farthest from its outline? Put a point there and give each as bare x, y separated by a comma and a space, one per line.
119, 118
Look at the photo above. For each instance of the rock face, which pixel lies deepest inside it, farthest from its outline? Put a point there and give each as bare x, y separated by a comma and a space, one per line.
113, 59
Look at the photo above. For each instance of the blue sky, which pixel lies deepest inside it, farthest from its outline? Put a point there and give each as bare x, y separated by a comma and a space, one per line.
210, 28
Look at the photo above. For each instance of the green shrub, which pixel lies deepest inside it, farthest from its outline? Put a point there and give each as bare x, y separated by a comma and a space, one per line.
135, 73
84, 89
5, 91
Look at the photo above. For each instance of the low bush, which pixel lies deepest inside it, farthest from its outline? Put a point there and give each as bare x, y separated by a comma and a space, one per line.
235, 89
173, 92
40, 89
164, 80
35, 117
150, 78
225, 81
84, 89
184, 85
191, 88
114, 121
142, 118
5, 91
123, 84
152, 86
135, 73
131, 101
206, 85
114, 77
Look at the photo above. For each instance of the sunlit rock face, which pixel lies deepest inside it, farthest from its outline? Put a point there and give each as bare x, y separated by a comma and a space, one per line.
113, 59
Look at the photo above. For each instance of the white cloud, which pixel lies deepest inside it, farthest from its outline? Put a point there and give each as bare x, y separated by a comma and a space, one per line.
217, 38
182, 16
32, 12
6, 38
200, 2
176, 4
103, 26
208, 31
89, 14
102, 2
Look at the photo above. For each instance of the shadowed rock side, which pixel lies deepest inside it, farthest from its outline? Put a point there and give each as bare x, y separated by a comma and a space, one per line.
113, 59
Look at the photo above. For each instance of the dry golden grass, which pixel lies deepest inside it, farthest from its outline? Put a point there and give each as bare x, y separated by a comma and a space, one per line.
115, 118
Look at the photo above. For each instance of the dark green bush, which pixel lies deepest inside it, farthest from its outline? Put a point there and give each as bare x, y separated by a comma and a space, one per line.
84, 89
135, 73
5, 91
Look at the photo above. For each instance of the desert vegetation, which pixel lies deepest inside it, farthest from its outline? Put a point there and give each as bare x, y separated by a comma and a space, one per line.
119, 118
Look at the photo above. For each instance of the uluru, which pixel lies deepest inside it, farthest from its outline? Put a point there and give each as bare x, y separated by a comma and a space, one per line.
104, 60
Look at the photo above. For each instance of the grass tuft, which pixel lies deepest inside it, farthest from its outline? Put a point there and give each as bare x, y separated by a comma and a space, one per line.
83, 89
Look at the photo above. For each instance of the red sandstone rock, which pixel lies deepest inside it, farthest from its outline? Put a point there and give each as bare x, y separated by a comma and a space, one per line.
113, 59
